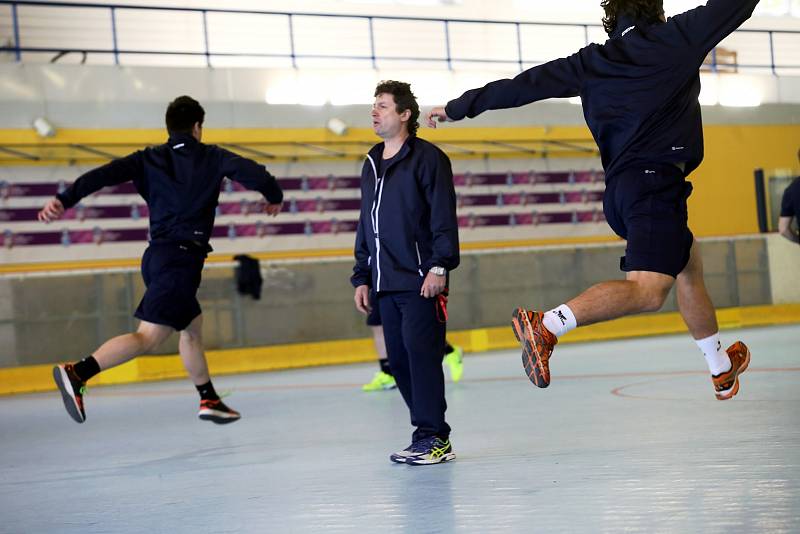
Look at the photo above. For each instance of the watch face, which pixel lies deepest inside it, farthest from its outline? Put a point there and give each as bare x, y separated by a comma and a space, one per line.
439, 271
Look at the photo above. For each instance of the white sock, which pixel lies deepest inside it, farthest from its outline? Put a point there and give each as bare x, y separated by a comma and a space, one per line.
716, 358
560, 320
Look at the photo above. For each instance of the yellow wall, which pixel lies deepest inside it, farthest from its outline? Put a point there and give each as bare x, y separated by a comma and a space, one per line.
723, 202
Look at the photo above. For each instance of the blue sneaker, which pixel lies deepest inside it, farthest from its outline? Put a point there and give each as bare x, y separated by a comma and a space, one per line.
429, 451
399, 457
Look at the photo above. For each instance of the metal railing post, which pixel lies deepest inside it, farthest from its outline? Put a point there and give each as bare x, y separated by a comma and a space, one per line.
17, 46
519, 48
447, 44
586, 35
205, 37
772, 54
114, 34
291, 41
372, 44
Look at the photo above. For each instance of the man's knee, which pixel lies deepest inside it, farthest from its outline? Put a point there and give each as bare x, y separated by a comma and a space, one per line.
653, 289
149, 341
191, 335
152, 335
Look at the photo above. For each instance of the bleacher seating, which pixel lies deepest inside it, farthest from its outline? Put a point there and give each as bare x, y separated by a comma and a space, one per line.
313, 206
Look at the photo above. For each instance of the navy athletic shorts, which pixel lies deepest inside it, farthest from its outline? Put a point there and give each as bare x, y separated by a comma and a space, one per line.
171, 273
374, 317
646, 205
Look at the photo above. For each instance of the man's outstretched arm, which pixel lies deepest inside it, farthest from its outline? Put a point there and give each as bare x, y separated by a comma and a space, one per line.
560, 78
113, 173
705, 26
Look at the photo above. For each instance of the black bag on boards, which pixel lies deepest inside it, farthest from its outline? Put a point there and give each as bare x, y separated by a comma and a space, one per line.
248, 276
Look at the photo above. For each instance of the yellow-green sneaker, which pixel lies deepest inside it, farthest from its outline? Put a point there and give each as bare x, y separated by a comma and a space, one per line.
455, 360
381, 381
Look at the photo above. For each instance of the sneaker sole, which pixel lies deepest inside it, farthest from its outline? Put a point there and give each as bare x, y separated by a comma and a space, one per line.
398, 459
735, 389
379, 389
218, 419
450, 456
67, 394
530, 357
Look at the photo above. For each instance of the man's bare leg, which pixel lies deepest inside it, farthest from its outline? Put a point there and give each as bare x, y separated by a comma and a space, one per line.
191, 350
380, 343
693, 300
71, 378
194, 360
641, 291
121, 349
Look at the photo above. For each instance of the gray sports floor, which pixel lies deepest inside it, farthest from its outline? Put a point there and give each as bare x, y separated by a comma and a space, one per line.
628, 438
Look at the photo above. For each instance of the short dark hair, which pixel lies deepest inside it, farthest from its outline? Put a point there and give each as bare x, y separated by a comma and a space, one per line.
403, 99
649, 11
183, 113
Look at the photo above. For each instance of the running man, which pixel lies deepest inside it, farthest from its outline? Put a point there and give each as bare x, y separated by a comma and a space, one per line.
640, 99
180, 182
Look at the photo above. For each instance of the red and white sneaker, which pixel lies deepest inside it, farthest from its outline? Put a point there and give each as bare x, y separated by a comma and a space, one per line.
537, 345
72, 389
726, 385
218, 412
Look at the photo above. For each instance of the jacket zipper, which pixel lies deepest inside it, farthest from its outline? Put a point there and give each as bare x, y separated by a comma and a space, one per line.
419, 259
374, 217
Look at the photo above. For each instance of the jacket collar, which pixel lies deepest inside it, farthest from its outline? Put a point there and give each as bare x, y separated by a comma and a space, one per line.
177, 139
624, 22
376, 152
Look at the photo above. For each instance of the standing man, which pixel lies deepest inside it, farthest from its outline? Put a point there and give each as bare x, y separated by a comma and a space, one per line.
790, 209
639, 92
406, 244
180, 181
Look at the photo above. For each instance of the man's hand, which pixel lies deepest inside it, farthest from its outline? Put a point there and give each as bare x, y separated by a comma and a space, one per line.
362, 299
437, 115
433, 285
51, 211
273, 209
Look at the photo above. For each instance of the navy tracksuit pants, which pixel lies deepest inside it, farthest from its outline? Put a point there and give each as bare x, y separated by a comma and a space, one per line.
415, 338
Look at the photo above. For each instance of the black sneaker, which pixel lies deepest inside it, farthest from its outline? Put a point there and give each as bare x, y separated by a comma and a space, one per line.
429, 451
72, 389
217, 412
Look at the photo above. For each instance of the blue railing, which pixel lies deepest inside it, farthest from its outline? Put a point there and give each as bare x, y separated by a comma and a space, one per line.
371, 56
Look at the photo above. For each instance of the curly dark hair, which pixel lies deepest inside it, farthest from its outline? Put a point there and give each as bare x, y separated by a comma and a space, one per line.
403, 99
183, 113
650, 11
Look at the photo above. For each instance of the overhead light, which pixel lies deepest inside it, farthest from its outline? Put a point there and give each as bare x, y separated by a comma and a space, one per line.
43, 127
337, 126
740, 92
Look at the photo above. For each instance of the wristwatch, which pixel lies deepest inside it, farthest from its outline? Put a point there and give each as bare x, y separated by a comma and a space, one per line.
438, 271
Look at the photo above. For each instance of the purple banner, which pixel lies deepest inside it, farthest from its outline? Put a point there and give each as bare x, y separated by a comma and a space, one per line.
533, 218
324, 183
96, 236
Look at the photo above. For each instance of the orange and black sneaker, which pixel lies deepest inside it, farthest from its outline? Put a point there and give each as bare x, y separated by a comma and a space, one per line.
72, 389
537, 345
726, 385
217, 412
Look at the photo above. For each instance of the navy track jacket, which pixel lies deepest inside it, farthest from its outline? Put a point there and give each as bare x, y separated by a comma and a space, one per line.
180, 181
639, 89
408, 218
